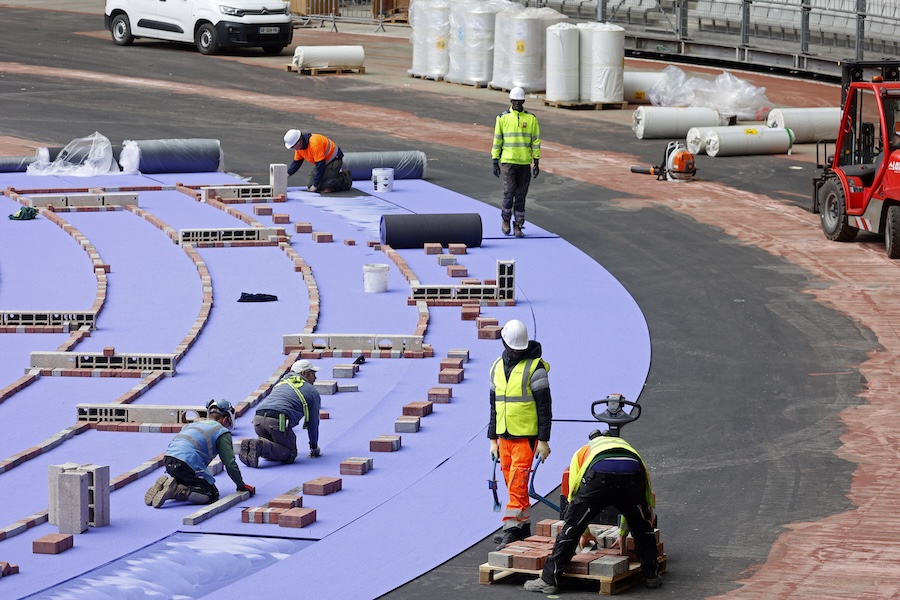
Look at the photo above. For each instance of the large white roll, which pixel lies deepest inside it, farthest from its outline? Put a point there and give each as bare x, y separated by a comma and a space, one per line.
808, 124
607, 64
306, 57
418, 11
743, 141
479, 34
654, 122
500, 77
695, 139
436, 39
457, 70
637, 85
527, 58
562, 63
585, 58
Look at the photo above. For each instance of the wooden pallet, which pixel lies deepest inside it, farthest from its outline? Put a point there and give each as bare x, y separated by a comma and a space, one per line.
609, 586
586, 105
475, 84
323, 70
429, 77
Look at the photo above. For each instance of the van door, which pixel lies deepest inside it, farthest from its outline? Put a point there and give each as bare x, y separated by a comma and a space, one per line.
178, 14
162, 19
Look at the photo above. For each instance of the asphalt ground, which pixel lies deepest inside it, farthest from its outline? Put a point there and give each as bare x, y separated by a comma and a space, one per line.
750, 370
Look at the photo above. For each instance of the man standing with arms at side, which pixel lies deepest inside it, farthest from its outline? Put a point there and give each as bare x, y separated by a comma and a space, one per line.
606, 471
327, 158
519, 427
293, 399
517, 144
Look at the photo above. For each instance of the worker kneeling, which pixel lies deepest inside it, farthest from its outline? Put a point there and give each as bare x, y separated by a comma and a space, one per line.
188, 456
606, 471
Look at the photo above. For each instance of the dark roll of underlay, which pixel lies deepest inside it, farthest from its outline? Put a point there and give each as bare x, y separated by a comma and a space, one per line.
19, 164
179, 156
407, 164
414, 231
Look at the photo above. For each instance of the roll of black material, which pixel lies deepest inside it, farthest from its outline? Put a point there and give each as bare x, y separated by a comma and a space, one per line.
407, 164
414, 231
19, 164
179, 156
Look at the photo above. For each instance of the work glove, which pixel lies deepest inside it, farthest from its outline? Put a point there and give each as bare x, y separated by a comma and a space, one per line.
496, 167
495, 450
311, 188
543, 450
536, 169
315, 452
248, 488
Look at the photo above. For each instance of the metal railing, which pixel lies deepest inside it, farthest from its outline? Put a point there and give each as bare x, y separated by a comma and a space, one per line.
376, 12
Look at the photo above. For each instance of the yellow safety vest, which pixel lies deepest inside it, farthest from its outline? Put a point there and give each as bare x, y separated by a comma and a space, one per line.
296, 383
516, 411
585, 455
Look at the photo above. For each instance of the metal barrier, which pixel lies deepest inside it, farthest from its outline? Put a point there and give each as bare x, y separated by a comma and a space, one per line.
376, 12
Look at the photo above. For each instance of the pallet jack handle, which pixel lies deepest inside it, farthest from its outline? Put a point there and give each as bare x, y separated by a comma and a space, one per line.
534, 494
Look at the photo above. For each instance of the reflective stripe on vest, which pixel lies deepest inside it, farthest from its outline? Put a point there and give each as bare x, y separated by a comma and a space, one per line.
296, 383
196, 446
515, 409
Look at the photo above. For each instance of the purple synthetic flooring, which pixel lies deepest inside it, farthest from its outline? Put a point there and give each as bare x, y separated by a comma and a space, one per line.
593, 334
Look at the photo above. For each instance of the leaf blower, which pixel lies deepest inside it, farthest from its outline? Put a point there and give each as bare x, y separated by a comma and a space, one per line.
677, 165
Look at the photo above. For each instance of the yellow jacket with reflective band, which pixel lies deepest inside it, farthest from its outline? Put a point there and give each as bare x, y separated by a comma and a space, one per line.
514, 402
585, 455
517, 138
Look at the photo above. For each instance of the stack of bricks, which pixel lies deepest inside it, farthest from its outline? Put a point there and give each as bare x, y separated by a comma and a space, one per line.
356, 466
322, 486
297, 517
529, 554
482, 322
303, 227
470, 312
53, 543
281, 218
272, 511
451, 370
262, 211
407, 424
385, 443
344, 371
456, 248
7, 568
433, 248
322, 237
440, 395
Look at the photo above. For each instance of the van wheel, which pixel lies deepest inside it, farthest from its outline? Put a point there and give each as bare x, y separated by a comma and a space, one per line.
273, 50
121, 31
206, 39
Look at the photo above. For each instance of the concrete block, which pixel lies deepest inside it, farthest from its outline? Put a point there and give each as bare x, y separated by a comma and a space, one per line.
385, 443
407, 425
73, 502
53, 543
343, 371
98, 494
347, 387
53, 473
608, 566
459, 353
261, 210
278, 179
322, 237
445, 260
500, 559
326, 387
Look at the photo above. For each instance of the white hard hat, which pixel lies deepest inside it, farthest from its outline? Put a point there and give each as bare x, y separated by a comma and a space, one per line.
517, 93
302, 366
291, 138
515, 335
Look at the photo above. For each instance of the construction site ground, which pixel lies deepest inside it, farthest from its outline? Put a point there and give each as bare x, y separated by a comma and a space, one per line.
769, 421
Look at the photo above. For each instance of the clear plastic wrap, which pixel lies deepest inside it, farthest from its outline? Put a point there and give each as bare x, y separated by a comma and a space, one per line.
82, 157
729, 95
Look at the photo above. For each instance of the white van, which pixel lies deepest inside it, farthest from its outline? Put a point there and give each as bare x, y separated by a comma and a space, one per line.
210, 24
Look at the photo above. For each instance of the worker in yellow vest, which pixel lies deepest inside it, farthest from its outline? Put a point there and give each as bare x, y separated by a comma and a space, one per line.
519, 427
606, 471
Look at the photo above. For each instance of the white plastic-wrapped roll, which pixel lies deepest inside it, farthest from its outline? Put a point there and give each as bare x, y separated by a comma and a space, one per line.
526, 58
457, 70
480, 42
654, 122
436, 39
607, 64
695, 139
306, 57
585, 58
418, 10
743, 141
500, 77
562, 63
637, 85
808, 124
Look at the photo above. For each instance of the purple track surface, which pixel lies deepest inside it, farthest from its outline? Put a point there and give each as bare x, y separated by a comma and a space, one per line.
593, 335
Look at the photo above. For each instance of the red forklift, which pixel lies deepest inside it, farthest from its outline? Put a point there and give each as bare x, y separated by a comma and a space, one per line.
859, 187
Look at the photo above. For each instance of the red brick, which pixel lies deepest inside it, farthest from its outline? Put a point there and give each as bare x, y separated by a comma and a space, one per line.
262, 210
433, 248
297, 517
470, 313
485, 322
490, 332
457, 271
451, 363
302, 227
322, 237
456, 248
285, 501
322, 486
418, 409
440, 395
450, 376
52, 543
354, 467
281, 218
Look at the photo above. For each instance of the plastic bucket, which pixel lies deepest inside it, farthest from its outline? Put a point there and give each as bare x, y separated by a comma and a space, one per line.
375, 277
383, 180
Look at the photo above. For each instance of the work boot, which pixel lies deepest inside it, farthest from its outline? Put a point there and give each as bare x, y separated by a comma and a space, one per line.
653, 582
166, 492
154, 489
540, 586
513, 534
249, 453
517, 229
505, 227
347, 178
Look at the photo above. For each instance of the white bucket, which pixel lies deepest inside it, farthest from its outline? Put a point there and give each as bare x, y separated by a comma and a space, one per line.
383, 180
375, 277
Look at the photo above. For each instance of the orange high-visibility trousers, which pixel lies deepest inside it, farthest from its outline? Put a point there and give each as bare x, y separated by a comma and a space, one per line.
516, 457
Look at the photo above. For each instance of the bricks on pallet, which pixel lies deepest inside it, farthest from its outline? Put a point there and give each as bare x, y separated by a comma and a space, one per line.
433, 248
450, 376
459, 353
297, 517
344, 371
385, 443
285, 501
303, 228
543, 527
440, 395
72, 513
421, 408
406, 424
608, 566
53, 543
456, 248
322, 486
489, 332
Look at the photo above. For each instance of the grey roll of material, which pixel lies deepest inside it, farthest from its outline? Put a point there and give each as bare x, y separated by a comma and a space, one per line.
414, 231
196, 155
407, 164
19, 164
